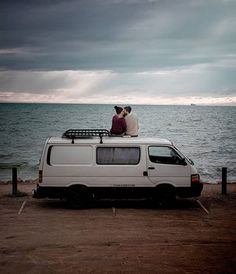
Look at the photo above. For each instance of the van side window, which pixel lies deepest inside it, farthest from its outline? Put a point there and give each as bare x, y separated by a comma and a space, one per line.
164, 155
70, 155
118, 155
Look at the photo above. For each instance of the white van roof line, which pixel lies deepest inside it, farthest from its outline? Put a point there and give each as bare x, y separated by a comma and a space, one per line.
91, 136
112, 140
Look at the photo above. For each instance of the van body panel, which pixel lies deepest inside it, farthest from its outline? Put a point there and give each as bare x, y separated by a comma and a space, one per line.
91, 181
65, 168
119, 166
178, 176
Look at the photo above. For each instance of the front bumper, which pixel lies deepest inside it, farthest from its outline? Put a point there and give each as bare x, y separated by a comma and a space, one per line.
188, 192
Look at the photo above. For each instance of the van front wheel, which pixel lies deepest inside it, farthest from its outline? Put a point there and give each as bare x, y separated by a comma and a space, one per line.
165, 195
77, 197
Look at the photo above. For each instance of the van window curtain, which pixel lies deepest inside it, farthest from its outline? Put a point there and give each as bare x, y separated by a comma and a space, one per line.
118, 155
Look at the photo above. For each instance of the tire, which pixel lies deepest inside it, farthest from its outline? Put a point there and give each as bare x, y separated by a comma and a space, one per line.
77, 197
165, 195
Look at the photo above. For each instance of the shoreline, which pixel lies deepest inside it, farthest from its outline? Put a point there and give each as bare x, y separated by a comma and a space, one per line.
20, 181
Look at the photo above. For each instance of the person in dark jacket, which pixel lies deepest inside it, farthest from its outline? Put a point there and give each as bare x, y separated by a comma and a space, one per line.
118, 122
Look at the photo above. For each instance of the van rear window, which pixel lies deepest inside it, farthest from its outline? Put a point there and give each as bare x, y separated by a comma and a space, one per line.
118, 155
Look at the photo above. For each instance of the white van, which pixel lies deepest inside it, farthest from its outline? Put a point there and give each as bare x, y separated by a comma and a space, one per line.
90, 164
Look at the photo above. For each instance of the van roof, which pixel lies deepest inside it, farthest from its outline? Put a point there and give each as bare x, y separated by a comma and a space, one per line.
111, 140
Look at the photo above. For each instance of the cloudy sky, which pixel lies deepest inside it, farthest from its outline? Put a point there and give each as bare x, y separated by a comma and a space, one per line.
118, 51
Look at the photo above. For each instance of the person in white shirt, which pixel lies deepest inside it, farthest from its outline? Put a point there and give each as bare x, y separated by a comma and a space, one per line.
131, 122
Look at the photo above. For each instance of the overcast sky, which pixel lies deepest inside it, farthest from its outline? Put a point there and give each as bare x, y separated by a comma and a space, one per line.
118, 51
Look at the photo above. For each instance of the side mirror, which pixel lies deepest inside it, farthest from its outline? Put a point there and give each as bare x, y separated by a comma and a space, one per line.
183, 162
179, 161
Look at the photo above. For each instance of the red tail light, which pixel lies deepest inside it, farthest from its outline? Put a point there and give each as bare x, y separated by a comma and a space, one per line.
195, 178
40, 176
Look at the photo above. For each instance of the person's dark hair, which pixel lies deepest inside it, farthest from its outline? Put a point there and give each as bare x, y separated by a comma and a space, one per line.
118, 109
128, 108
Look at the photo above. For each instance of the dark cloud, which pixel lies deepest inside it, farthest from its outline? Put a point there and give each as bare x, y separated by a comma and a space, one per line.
96, 34
135, 48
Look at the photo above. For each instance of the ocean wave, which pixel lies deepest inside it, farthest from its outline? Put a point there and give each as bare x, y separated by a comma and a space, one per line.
15, 164
6, 156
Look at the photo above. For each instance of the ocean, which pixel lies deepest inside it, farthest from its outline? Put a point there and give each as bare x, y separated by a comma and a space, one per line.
206, 134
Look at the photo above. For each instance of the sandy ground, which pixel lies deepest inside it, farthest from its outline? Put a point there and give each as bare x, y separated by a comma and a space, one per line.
44, 236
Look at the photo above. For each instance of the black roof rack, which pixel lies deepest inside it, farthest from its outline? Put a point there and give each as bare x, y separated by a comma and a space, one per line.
85, 133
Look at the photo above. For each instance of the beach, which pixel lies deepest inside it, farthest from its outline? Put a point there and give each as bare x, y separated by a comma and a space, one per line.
45, 236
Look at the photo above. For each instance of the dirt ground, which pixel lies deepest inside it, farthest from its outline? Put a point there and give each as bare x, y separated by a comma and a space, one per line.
44, 236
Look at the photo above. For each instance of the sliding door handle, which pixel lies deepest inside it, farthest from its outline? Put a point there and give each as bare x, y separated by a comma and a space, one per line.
151, 167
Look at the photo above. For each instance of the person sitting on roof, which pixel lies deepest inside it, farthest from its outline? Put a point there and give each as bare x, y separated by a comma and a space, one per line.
118, 122
131, 122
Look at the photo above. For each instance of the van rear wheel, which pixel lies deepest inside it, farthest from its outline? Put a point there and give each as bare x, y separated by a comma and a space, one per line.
77, 197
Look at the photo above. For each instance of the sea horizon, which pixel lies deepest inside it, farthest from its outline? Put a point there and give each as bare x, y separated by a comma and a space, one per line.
125, 104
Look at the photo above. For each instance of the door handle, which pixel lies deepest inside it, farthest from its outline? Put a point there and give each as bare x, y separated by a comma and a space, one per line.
151, 167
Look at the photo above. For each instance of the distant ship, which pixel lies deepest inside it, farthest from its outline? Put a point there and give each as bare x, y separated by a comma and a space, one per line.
193, 105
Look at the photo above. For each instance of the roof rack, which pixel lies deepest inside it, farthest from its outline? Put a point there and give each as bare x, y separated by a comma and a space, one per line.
85, 133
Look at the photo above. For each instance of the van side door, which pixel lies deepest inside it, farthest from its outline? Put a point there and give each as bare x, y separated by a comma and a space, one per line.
122, 166
166, 166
